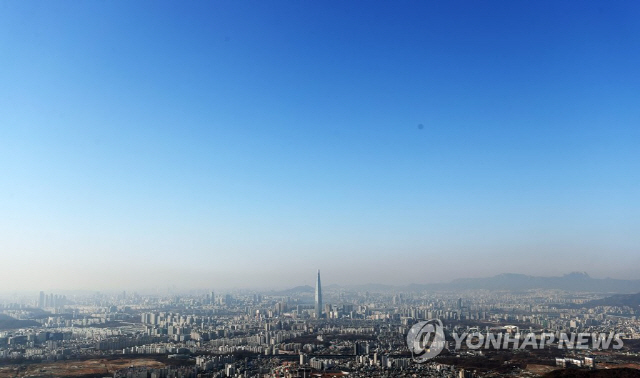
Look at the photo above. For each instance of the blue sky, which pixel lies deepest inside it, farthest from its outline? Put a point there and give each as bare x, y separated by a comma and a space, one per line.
215, 143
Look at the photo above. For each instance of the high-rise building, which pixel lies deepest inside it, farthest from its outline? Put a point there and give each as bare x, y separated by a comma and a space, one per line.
41, 300
318, 297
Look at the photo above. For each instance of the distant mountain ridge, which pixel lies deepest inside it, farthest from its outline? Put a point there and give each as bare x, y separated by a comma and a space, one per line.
576, 281
620, 300
295, 290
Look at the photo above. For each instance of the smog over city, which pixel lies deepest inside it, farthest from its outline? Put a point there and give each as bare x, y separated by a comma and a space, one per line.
319, 189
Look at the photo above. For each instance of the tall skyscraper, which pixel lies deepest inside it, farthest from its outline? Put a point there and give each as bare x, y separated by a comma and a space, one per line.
41, 300
318, 297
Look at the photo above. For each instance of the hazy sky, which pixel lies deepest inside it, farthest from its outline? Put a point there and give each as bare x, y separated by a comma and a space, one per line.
221, 144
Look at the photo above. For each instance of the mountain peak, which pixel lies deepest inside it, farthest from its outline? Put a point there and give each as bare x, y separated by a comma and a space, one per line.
583, 275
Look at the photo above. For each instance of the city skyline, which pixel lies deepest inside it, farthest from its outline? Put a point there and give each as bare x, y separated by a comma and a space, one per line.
175, 176
361, 334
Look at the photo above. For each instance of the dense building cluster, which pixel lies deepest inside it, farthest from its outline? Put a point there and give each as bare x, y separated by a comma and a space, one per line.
305, 332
